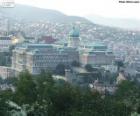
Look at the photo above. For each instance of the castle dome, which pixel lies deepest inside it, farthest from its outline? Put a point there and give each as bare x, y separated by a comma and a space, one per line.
75, 32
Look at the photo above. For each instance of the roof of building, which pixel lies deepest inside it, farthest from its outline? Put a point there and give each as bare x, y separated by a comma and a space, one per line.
95, 44
37, 46
80, 70
48, 39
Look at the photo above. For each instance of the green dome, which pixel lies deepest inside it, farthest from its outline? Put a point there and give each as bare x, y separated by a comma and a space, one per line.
75, 32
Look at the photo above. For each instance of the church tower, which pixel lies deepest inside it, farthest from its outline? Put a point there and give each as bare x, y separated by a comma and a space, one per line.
74, 38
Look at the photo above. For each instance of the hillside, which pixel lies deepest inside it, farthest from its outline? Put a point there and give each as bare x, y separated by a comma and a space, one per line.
29, 13
115, 22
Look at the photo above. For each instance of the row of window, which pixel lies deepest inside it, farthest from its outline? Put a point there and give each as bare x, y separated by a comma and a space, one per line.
49, 63
51, 58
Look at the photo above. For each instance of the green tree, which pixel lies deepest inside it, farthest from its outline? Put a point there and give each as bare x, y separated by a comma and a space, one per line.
5, 96
119, 64
88, 67
75, 64
26, 89
44, 82
60, 69
128, 93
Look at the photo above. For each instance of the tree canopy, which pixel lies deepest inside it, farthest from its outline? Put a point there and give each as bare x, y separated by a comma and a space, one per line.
42, 96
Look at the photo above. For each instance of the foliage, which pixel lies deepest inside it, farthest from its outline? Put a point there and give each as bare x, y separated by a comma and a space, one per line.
119, 64
75, 64
88, 67
60, 69
129, 94
42, 96
4, 107
26, 89
9, 81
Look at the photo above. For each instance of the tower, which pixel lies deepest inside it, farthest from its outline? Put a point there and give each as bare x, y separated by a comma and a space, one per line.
74, 38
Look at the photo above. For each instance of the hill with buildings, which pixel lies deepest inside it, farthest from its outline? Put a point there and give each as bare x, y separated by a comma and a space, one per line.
36, 22
115, 22
29, 13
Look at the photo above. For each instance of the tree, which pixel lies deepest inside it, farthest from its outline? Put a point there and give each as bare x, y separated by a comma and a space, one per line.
42, 96
75, 64
88, 67
26, 89
128, 93
45, 86
138, 109
5, 96
63, 99
10, 81
60, 69
45, 83
3, 108
119, 64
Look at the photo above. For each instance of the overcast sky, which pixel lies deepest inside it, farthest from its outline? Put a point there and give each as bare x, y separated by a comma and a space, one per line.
107, 8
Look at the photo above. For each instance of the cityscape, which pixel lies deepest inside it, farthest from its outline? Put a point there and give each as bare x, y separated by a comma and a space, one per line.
52, 64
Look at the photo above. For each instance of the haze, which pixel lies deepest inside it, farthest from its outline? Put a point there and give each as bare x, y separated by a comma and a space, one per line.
106, 8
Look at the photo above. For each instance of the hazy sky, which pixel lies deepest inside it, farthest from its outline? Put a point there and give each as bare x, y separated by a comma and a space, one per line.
108, 8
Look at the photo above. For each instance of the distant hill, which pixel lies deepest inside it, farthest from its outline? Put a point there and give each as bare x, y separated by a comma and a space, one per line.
115, 22
29, 13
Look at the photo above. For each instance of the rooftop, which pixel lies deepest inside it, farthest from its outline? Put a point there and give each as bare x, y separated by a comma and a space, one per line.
32, 46
80, 70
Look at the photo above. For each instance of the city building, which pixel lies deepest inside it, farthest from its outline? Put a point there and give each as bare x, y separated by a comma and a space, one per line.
35, 57
6, 72
96, 54
110, 68
80, 76
7, 41
103, 88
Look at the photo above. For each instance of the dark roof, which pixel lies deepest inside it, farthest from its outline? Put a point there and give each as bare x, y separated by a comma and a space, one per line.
48, 39
5, 38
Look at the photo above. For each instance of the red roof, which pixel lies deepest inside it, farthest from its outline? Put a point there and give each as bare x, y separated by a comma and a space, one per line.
47, 39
